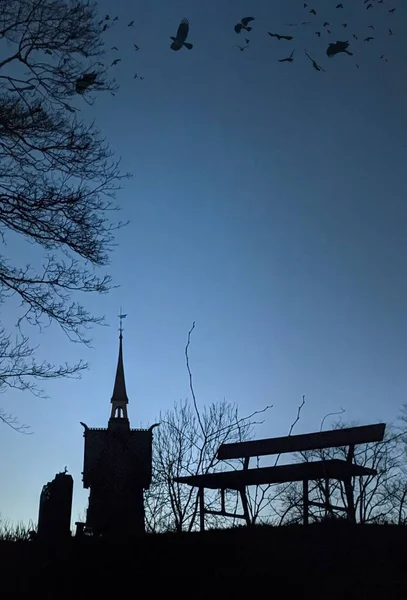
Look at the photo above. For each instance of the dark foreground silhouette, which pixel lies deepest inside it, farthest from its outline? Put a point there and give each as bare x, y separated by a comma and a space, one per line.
318, 561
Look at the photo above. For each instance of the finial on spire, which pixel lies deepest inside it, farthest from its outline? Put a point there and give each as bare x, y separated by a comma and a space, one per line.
121, 317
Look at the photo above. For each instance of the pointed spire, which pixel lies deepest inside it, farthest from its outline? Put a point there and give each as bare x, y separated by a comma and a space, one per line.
119, 398
119, 389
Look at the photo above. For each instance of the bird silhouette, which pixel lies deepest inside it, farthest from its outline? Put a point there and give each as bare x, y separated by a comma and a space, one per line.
244, 24
179, 40
316, 66
280, 37
392, 10
326, 24
390, 32
241, 48
318, 33
82, 83
246, 40
313, 11
114, 48
367, 39
130, 24
370, 27
136, 47
344, 25
337, 48
115, 62
339, 6
288, 59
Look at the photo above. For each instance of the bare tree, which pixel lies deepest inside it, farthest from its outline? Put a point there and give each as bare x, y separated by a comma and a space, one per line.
186, 443
378, 499
57, 176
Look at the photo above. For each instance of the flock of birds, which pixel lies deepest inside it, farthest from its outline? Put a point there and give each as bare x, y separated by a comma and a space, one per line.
245, 26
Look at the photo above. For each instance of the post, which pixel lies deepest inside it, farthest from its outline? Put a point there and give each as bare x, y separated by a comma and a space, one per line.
201, 509
349, 488
350, 500
305, 499
327, 499
245, 505
222, 500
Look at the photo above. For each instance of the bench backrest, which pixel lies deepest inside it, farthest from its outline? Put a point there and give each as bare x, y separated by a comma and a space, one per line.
309, 441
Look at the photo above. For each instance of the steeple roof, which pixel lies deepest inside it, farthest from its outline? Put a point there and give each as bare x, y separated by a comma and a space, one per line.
119, 389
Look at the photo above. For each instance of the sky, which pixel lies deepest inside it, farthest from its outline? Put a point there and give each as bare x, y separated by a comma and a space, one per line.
267, 204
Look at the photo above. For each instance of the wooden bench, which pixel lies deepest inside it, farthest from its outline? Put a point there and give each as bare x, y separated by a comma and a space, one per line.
238, 480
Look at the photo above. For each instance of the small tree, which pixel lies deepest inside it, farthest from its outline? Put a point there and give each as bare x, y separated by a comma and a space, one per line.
186, 443
378, 498
57, 176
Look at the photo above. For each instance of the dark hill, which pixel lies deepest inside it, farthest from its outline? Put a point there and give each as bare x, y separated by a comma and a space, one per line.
321, 561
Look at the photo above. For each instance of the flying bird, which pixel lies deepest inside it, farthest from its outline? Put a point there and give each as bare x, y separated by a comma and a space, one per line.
370, 26
179, 40
288, 59
337, 48
392, 10
344, 25
390, 32
115, 62
130, 24
137, 76
82, 83
244, 24
241, 48
326, 24
114, 48
313, 11
280, 37
136, 47
316, 66
339, 6
367, 39
318, 33
246, 40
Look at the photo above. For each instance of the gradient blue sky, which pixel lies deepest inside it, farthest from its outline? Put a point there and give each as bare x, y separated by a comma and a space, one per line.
267, 204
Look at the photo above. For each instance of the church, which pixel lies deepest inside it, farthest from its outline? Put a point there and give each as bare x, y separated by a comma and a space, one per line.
117, 467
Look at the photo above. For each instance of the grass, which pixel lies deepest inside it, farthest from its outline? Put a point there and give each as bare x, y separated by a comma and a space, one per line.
334, 561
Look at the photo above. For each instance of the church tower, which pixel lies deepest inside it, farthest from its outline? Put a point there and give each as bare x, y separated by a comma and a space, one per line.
117, 466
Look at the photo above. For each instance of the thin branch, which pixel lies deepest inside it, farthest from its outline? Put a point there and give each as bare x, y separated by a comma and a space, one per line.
330, 415
293, 424
191, 387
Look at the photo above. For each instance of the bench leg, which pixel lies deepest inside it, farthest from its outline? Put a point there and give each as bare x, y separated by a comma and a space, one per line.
201, 509
350, 500
305, 501
245, 506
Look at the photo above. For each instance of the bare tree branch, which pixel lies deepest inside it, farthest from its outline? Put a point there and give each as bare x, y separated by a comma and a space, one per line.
58, 176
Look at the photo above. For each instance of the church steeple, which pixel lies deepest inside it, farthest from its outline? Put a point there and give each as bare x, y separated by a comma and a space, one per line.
119, 398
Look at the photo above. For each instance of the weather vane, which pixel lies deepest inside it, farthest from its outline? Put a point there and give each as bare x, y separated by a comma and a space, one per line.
121, 317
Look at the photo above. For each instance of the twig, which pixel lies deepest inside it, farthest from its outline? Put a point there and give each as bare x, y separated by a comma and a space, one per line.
293, 424
330, 415
13, 423
191, 387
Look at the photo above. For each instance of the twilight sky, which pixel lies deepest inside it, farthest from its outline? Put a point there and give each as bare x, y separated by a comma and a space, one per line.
267, 203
